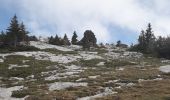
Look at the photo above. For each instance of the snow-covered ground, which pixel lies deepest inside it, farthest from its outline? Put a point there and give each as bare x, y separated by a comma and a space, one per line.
124, 55
101, 64
90, 55
64, 85
1, 60
165, 69
39, 55
42, 45
11, 66
70, 71
5, 93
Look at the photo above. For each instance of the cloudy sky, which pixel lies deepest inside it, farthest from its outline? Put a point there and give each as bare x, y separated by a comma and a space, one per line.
110, 20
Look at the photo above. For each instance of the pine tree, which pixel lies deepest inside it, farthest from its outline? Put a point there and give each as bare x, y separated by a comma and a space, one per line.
57, 40
146, 41
118, 43
51, 40
32, 38
13, 31
142, 42
66, 40
74, 38
23, 33
2, 38
150, 39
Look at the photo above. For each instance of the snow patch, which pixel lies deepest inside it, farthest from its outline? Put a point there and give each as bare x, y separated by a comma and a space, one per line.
94, 77
81, 79
42, 45
62, 59
39, 55
25, 61
101, 64
165, 69
11, 66
120, 69
1, 60
75, 47
90, 55
16, 78
124, 55
70, 71
5, 93
64, 85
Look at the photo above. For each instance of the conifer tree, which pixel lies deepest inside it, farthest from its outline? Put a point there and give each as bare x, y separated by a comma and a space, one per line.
150, 39
32, 38
13, 31
118, 43
66, 40
142, 42
2, 37
74, 38
23, 33
57, 40
146, 40
51, 40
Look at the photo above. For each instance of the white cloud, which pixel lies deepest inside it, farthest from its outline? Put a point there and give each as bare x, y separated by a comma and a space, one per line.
65, 16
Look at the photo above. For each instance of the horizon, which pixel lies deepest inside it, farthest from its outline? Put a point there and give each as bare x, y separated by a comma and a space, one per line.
110, 20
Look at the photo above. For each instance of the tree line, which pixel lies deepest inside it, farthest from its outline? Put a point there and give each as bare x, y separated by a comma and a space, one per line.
17, 35
148, 43
89, 40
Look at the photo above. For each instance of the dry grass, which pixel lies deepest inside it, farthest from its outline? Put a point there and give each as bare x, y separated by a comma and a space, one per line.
147, 90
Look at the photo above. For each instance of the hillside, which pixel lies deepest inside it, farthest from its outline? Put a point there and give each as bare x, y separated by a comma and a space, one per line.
69, 73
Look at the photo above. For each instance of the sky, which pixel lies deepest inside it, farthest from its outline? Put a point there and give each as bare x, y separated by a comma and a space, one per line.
110, 20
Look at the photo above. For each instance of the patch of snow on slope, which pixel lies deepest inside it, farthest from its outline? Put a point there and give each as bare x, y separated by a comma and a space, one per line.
64, 85
70, 72
165, 69
89, 55
72, 67
124, 55
93, 77
16, 78
1, 60
62, 59
39, 55
42, 45
5, 93
11, 66
101, 64
75, 47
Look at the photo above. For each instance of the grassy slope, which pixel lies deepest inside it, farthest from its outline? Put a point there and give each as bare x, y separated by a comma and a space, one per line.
38, 90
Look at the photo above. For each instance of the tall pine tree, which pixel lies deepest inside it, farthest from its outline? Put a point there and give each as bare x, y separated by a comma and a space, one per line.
142, 42
56, 40
23, 33
51, 40
146, 41
66, 40
74, 38
16, 32
13, 31
2, 38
